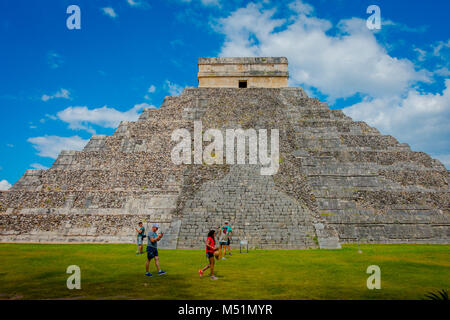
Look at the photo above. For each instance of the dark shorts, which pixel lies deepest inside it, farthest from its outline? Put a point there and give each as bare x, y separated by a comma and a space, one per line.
151, 253
209, 255
228, 242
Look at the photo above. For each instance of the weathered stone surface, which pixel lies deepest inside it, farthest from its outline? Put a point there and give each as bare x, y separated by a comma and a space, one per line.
257, 72
338, 181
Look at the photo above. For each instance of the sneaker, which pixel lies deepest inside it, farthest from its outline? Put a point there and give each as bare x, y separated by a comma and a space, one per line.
229, 253
148, 274
214, 278
223, 258
160, 273
137, 253
201, 273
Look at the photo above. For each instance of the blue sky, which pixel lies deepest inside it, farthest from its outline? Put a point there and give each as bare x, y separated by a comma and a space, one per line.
60, 86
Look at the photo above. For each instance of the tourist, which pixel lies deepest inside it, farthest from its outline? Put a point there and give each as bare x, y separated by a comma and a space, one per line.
223, 240
152, 250
229, 232
140, 238
210, 254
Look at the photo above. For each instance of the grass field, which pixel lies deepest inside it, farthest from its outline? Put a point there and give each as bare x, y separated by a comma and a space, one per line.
113, 271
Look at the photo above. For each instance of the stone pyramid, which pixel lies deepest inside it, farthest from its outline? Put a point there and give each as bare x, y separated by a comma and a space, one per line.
339, 181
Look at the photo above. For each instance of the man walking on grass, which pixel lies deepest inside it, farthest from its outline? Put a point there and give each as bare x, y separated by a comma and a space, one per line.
152, 250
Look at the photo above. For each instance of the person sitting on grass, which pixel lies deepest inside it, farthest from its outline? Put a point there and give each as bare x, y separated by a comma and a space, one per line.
152, 250
210, 254
140, 238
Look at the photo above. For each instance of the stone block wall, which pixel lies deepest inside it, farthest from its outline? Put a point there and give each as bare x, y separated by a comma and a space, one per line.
259, 72
338, 181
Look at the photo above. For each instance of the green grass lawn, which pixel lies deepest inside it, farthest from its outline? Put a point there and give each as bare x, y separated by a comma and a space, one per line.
113, 271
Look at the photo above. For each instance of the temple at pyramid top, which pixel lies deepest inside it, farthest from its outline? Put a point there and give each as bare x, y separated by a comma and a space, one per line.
243, 72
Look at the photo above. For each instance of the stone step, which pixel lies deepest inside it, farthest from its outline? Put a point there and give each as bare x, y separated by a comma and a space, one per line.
383, 157
328, 238
315, 161
334, 204
367, 168
340, 170
366, 181
102, 228
349, 141
96, 180
317, 114
85, 199
340, 125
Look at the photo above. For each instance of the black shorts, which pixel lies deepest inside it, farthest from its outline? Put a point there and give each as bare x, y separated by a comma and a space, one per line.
151, 253
209, 255
228, 242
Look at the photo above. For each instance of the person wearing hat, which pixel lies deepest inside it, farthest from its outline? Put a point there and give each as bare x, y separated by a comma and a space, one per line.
223, 238
226, 229
152, 250
140, 238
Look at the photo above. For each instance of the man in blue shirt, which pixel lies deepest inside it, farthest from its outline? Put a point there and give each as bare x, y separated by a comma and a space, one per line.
152, 250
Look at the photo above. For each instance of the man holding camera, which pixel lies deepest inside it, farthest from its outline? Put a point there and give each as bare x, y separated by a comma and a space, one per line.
152, 250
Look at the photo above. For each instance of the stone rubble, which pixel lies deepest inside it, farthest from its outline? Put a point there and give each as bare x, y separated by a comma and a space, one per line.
339, 181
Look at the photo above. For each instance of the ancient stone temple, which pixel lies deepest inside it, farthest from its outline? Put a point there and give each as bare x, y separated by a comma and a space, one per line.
259, 72
339, 181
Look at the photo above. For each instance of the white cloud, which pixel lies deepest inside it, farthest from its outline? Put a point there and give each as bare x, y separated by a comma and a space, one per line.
51, 146
441, 46
4, 185
341, 65
444, 72
54, 59
301, 7
109, 12
81, 117
173, 88
403, 27
38, 166
421, 54
205, 2
421, 119
346, 59
151, 89
138, 4
62, 93
436, 54
210, 2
